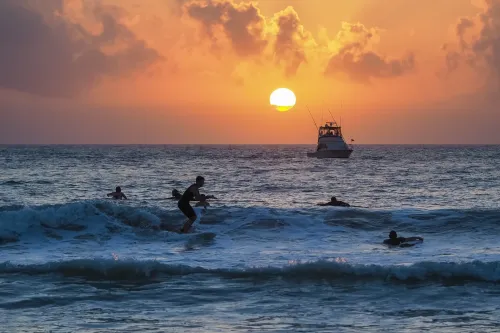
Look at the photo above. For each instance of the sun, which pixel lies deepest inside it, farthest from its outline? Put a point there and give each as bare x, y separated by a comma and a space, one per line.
283, 99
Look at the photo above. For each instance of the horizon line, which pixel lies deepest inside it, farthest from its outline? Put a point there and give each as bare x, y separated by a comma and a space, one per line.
242, 144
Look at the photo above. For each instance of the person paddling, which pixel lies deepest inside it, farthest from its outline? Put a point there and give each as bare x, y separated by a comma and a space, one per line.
176, 195
394, 240
118, 194
203, 201
335, 202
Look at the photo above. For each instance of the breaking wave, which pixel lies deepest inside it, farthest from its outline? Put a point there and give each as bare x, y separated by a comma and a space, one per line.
334, 270
103, 216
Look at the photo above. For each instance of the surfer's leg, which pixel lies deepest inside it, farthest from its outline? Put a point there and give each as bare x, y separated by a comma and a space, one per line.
187, 225
190, 214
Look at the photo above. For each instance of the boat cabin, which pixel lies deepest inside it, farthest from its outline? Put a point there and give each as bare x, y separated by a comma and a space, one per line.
330, 129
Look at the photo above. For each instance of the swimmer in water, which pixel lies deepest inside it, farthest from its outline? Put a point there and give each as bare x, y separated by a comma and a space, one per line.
176, 195
394, 240
118, 194
191, 194
203, 201
335, 202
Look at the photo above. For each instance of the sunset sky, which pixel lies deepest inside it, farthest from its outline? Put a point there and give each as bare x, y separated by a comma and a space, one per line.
200, 71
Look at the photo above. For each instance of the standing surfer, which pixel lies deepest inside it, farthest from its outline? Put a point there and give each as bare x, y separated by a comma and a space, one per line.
191, 194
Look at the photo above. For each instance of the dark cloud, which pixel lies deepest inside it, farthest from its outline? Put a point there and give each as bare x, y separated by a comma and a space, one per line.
51, 56
242, 24
358, 62
479, 43
290, 41
248, 31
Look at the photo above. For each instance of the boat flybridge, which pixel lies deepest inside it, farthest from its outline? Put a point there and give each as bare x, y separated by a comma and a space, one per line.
331, 143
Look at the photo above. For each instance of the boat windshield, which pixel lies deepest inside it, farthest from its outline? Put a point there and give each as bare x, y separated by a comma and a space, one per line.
329, 131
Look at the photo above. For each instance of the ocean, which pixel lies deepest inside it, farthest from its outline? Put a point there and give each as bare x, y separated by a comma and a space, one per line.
263, 257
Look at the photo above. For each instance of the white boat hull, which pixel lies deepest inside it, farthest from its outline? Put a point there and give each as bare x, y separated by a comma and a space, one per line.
345, 153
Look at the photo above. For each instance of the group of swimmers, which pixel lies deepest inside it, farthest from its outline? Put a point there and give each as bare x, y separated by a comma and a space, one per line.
192, 193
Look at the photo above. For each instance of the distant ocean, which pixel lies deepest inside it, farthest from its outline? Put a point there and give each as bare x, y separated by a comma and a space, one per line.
72, 260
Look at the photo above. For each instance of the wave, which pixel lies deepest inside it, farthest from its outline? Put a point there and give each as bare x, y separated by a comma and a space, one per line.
109, 217
94, 217
11, 183
335, 270
19, 182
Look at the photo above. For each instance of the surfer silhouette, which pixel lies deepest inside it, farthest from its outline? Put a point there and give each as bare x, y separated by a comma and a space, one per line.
334, 202
118, 194
394, 240
191, 194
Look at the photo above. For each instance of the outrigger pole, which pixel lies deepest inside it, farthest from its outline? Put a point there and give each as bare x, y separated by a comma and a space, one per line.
312, 118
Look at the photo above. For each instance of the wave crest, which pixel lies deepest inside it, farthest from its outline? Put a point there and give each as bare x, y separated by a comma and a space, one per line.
130, 270
103, 216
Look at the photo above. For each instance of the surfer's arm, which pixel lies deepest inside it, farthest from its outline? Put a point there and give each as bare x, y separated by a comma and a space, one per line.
110, 194
197, 196
124, 196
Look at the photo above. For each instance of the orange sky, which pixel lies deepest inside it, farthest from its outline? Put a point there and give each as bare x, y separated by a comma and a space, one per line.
200, 71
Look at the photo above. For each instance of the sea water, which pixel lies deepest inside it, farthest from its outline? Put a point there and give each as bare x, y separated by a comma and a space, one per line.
72, 260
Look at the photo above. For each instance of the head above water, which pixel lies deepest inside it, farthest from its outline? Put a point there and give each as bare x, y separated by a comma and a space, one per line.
175, 192
333, 199
118, 189
200, 181
393, 234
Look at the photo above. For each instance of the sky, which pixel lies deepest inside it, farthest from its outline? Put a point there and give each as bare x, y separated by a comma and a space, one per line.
202, 71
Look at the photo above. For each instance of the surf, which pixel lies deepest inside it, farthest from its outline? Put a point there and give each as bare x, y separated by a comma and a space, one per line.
338, 270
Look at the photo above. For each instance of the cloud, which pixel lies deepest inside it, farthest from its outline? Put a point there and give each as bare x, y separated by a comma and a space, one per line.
284, 39
291, 40
358, 61
242, 24
478, 40
43, 53
249, 34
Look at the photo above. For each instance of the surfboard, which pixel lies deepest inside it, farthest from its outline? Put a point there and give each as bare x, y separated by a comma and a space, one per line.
411, 243
201, 239
204, 235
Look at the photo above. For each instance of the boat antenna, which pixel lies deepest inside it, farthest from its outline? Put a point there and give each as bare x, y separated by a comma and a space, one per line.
332, 115
341, 113
312, 117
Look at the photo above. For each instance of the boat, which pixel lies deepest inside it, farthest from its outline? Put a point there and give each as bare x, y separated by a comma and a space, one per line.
331, 143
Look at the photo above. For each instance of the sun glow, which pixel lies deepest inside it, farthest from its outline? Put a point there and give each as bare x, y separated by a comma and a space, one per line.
283, 99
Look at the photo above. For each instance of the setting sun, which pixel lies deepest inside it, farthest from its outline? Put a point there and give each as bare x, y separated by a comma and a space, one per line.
283, 99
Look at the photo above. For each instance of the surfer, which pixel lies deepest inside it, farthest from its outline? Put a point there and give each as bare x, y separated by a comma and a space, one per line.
191, 194
335, 202
118, 194
394, 240
175, 195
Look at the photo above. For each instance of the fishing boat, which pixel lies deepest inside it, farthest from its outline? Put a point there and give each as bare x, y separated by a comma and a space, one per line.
331, 143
